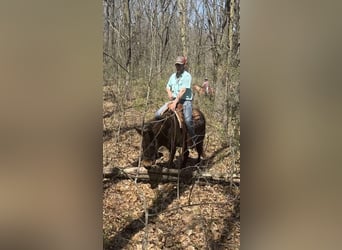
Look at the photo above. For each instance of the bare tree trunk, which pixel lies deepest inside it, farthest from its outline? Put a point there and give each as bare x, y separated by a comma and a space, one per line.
183, 24
231, 32
167, 13
217, 19
127, 17
108, 35
233, 93
227, 114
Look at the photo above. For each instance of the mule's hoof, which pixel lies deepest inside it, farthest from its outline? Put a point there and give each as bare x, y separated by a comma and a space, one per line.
171, 164
183, 166
147, 163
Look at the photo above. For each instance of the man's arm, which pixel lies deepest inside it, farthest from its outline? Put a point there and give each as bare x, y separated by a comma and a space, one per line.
169, 93
180, 94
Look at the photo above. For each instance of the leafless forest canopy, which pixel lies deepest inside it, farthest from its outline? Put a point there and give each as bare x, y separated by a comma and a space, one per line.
142, 39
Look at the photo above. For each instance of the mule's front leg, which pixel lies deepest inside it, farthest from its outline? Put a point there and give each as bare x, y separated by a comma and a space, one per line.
185, 153
172, 156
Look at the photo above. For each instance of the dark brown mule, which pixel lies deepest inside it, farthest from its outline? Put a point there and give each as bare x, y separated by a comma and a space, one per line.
170, 132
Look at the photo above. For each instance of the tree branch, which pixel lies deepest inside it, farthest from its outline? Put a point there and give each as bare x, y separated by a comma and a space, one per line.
161, 174
116, 61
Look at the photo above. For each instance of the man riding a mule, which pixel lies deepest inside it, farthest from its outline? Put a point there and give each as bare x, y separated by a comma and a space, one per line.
167, 128
179, 90
204, 89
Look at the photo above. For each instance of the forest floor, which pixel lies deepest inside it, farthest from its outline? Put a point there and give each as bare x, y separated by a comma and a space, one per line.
201, 214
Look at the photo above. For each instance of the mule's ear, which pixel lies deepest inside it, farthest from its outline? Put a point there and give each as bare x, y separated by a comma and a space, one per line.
138, 129
146, 128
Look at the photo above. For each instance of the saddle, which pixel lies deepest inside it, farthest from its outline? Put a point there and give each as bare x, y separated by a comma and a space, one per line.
196, 116
178, 113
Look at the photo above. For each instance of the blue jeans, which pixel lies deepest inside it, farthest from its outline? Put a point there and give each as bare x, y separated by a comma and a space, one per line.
187, 112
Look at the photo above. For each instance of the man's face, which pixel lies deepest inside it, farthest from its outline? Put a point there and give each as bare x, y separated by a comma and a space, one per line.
179, 67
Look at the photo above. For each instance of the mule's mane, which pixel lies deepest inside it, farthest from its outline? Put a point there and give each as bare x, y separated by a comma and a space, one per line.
157, 125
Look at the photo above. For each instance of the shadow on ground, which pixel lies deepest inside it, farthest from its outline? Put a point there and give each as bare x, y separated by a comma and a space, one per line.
122, 238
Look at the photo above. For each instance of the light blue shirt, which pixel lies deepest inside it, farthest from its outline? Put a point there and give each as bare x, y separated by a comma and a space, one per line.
184, 81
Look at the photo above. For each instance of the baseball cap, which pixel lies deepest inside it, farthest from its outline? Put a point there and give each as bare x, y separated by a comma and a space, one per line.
180, 60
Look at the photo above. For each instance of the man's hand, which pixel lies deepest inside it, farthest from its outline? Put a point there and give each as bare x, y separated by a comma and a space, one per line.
170, 96
174, 105
169, 93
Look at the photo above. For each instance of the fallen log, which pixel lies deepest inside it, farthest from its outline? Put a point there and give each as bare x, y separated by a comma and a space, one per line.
160, 174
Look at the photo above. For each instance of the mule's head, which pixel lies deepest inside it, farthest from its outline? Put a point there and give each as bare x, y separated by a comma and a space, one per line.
149, 145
